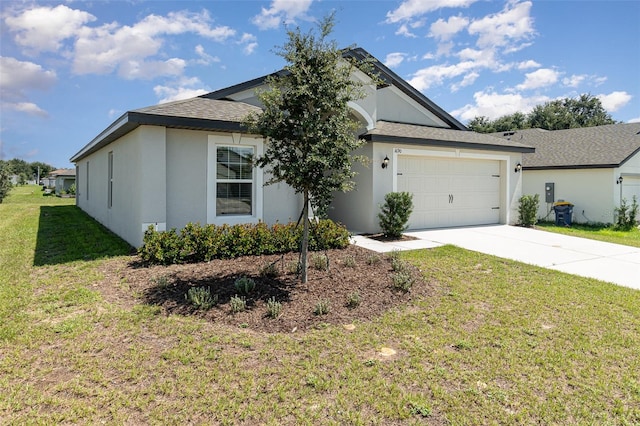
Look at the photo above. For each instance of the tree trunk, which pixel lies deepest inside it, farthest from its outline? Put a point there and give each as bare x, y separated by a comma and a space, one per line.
305, 238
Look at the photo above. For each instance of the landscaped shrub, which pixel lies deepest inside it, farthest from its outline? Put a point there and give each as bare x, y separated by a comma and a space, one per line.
201, 297
196, 243
237, 304
528, 209
273, 308
395, 213
244, 285
626, 215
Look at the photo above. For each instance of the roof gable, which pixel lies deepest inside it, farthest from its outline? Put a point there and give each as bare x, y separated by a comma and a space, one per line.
586, 147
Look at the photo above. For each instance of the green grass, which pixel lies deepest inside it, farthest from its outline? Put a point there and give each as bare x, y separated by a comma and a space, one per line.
596, 232
499, 342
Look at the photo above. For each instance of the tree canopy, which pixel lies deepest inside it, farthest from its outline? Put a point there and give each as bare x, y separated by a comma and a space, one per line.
567, 113
307, 123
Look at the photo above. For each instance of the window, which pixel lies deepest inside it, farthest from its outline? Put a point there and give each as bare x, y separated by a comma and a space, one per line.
87, 180
110, 182
234, 180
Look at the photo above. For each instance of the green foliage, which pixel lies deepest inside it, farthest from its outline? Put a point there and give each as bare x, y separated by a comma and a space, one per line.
196, 243
319, 262
237, 304
244, 285
373, 259
308, 122
419, 409
269, 270
567, 113
273, 308
5, 180
201, 298
72, 189
353, 300
395, 213
626, 215
350, 262
322, 307
403, 280
528, 209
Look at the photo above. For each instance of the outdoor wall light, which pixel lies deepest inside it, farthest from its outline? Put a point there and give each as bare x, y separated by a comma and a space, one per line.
518, 167
619, 180
385, 162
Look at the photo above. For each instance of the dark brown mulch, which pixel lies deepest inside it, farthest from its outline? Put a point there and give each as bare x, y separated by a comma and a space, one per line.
383, 238
352, 270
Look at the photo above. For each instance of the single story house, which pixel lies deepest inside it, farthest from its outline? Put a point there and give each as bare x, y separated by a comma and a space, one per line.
188, 161
64, 180
591, 167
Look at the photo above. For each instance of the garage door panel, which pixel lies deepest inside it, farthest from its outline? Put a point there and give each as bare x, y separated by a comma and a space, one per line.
450, 192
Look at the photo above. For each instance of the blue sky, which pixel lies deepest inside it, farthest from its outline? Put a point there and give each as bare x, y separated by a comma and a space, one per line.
69, 69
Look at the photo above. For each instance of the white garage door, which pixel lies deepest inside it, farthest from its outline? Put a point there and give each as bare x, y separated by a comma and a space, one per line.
631, 187
450, 192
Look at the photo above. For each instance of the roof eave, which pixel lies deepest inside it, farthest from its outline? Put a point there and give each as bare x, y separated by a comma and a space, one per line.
572, 167
444, 143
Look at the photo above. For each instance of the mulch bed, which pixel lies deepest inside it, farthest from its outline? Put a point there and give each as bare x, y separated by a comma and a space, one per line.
352, 270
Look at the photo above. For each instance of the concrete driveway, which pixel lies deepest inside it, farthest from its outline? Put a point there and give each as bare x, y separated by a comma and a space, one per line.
613, 263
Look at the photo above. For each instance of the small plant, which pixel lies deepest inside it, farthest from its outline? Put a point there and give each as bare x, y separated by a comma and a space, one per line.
403, 280
626, 215
322, 307
419, 409
353, 300
244, 285
294, 267
370, 363
373, 259
395, 213
201, 298
273, 308
161, 282
238, 304
319, 262
350, 262
269, 270
528, 210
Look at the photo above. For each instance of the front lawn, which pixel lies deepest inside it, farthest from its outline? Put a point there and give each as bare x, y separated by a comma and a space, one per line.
493, 342
595, 232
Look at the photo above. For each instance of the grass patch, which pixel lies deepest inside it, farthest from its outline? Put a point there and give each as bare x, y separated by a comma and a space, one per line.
500, 343
596, 232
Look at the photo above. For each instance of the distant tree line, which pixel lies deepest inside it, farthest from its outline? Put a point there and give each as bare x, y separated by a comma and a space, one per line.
567, 113
22, 170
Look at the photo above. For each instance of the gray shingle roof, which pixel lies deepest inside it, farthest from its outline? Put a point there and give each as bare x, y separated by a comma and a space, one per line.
202, 109
586, 147
424, 135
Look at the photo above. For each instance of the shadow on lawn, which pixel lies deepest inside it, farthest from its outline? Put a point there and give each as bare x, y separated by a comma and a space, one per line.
67, 234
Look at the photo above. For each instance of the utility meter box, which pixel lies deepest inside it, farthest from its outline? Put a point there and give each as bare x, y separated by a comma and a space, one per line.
549, 192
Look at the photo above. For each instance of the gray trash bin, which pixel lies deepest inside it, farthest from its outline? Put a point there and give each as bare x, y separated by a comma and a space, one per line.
564, 212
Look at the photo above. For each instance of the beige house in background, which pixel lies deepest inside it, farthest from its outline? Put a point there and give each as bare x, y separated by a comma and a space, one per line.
188, 161
591, 167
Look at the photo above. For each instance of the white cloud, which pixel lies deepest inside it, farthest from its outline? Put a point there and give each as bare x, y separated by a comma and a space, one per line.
542, 77
19, 76
250, 43
528, 64
574, 81
435, 75
445, 30
205, 58
512, 24
147, 70
468, 80
281, 11
103, 49
412, 9
634, 120
184, 88
26, 107
614, 100
403, 30
494, 105
44, 28
394, 59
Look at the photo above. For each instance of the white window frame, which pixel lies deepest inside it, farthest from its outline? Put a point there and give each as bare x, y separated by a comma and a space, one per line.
233, 140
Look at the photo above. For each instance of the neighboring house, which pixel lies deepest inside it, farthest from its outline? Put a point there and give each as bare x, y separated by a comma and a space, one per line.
64, 179
590, 167
188, 161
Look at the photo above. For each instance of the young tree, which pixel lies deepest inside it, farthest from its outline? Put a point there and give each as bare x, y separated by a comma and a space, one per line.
310, 135
5, 179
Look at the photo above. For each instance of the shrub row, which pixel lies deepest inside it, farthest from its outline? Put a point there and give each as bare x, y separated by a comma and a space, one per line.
196, 243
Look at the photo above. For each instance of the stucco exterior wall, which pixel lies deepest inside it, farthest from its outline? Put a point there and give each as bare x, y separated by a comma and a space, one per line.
591, 191
630, 172
359, 209
393, 105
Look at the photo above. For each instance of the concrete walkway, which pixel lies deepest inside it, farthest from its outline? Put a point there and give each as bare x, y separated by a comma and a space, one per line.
613, 263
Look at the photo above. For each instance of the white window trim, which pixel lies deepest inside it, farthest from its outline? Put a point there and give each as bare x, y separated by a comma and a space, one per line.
235, 139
